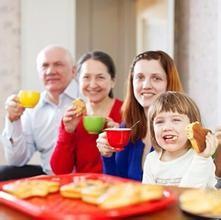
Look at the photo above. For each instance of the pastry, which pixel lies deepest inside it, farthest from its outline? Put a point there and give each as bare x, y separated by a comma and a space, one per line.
79, 105
28, 188
86, 189
197, 136
201, 201
93, 190
151, 192
111, 195
120, 195
72, 190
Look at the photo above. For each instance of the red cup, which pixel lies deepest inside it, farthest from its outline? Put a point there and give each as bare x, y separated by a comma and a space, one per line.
118, 138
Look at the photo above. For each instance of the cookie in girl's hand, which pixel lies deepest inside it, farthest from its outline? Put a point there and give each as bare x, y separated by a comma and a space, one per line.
197, 136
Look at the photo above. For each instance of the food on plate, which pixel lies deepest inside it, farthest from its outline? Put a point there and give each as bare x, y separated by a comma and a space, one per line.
87, 189
124, 194
28, 188
151, 192
72, 190
79, 105
111, 195
201, 201
197, 136
93, 190
120, 195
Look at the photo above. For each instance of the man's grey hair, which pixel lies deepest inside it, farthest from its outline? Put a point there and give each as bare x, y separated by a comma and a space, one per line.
52, 47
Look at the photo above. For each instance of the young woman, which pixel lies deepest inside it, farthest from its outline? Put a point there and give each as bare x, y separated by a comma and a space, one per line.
76, 149
151, 73
174, 162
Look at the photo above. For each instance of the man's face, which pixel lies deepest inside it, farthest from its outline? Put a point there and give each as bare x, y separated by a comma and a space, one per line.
55, 69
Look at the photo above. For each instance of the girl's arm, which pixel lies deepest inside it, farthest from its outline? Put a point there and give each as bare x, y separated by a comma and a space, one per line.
200, 173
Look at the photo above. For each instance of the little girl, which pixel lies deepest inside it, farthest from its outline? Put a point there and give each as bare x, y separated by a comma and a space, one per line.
174, 162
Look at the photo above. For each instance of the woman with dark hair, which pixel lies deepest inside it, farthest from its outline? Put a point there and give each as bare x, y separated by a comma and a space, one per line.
152, 72
76, 149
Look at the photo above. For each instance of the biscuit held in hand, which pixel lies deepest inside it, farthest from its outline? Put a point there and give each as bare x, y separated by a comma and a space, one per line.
197, 136
80, 106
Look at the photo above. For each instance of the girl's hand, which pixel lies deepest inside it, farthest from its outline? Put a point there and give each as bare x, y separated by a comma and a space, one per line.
71, 119
111, 124
103, 146
217, 158
210, 145
218, 136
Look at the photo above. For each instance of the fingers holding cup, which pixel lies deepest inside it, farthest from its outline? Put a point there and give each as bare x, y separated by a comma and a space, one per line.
102, 144
13, 108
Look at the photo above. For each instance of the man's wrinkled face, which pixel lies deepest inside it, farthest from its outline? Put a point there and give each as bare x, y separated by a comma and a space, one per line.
55, 69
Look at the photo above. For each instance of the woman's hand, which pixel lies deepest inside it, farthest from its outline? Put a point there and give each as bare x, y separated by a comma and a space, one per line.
210, 145
103, 146
111, 124
71, 119
13, 108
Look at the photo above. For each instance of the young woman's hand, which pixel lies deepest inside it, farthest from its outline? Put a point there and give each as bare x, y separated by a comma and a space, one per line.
110, 123
103, 146
210, 145
71, 119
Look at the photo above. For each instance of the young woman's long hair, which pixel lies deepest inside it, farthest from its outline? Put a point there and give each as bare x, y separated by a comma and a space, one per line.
132, 111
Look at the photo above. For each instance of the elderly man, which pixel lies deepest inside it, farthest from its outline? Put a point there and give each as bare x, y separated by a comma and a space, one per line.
35, 130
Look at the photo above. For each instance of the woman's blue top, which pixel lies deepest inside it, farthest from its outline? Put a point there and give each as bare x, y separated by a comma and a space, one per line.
126, 163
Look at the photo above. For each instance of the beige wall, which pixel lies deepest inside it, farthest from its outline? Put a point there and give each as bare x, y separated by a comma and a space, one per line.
9, 53
196, 44
43, 22
108, 25
155, 25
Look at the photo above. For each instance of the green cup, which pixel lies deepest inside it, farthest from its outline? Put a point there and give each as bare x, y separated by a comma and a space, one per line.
93, 124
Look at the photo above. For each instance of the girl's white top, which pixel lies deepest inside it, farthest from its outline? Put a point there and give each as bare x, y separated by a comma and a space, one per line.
188, 170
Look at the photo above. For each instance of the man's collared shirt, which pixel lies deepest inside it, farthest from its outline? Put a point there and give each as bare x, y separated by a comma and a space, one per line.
37, 129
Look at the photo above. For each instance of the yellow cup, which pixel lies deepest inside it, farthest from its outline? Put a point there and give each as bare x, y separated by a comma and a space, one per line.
28, 98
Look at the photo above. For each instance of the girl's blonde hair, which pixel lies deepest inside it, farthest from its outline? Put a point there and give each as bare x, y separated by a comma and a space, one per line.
171, 102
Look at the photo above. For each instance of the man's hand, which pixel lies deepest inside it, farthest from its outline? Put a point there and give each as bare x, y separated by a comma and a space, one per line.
13, 108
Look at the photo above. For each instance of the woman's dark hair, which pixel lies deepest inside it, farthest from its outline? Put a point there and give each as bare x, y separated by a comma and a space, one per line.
103, 58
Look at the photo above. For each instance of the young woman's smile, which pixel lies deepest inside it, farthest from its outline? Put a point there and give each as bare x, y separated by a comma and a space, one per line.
149, 79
